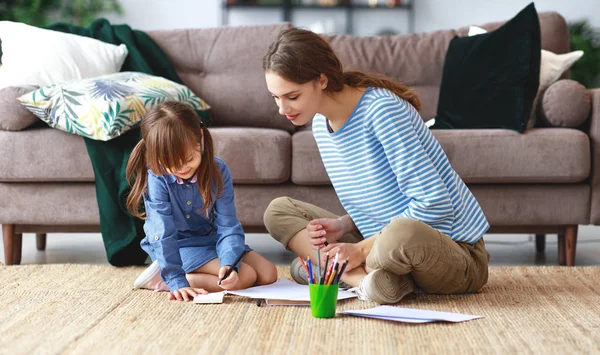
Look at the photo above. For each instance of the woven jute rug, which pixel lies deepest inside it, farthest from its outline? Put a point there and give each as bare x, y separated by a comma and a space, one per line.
85, 309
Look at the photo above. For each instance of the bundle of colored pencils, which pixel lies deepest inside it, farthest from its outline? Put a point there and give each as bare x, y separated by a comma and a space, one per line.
331, 275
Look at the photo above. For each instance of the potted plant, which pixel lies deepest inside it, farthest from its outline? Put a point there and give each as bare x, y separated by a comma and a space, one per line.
44, 12
586, 38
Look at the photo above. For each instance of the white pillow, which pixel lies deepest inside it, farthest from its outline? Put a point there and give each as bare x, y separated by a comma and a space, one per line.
40, 57
552, 65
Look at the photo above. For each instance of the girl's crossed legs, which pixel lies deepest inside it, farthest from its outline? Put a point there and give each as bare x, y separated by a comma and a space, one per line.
254, 270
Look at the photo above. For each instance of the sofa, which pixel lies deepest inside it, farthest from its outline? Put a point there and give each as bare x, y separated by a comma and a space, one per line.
546, 180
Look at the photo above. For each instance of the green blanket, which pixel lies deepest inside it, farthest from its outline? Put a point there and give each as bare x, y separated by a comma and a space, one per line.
121, 232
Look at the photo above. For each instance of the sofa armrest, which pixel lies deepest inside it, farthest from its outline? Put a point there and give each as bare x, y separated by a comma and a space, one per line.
594, 134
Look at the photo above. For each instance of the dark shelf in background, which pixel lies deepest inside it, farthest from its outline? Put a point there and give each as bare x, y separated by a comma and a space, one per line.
319, 7
288, 7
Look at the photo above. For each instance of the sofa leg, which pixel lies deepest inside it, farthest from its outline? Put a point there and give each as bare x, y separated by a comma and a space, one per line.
540, 243
40, 241
8, 236
562, 252
570, 245
17, 248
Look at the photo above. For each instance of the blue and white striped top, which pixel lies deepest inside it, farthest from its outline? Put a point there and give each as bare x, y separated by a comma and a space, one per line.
384, 163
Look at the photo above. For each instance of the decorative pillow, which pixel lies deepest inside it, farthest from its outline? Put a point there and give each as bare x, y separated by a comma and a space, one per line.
35, 56
491, 80
15, 117
105, 107
552, 66
566, 103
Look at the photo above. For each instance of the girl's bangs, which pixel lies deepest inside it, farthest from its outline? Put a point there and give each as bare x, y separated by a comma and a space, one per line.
172, 151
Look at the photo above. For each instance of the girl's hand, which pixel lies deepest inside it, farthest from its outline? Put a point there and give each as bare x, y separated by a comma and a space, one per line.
230, 282
346, 250
186, 294
324, 230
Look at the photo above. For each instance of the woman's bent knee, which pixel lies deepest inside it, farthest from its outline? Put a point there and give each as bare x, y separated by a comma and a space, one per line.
401, 232
403, 240
276, 213
283, 220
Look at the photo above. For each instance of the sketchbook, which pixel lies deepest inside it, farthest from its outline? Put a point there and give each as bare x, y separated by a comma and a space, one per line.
213, 297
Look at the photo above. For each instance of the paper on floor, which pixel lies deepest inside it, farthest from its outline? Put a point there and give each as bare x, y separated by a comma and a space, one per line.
283, 289
410, 315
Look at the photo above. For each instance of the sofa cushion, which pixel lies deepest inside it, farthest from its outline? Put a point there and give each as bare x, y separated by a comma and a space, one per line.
13, 116
540, 155
254, 155
224, 67
566, 103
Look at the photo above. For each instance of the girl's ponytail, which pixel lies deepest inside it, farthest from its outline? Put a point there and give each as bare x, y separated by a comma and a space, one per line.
137, 177
210, 182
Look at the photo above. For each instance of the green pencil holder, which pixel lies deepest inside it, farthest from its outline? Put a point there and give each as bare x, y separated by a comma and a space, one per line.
323, 300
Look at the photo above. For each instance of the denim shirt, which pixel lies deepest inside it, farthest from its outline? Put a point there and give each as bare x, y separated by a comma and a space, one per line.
174, 220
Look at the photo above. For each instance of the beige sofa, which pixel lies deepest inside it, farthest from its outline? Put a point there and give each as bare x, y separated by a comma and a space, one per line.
546, 180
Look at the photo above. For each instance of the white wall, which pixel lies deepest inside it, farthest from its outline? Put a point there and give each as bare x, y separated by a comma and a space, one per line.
430, 15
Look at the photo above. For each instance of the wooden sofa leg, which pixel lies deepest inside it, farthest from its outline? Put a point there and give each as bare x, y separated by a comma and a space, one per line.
8, 236
40, 241
562, 252
570, 245
540, 243
17, 248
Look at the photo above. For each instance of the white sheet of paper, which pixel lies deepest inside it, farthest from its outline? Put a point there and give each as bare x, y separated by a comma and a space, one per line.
213, 297
284, 289
404, 320
399, 314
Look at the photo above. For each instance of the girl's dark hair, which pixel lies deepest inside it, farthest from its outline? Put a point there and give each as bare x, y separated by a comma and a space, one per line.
169, 130
302, 56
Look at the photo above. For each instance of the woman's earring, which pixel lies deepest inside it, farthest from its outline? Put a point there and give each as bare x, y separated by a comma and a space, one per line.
325, 87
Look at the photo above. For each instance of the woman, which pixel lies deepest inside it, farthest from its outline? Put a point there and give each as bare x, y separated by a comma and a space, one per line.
411, 220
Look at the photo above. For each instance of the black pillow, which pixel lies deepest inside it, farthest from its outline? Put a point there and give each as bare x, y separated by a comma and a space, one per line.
490, 80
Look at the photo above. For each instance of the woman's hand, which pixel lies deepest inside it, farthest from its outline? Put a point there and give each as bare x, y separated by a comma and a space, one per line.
230, 281
186, 293
346, 250
323, 230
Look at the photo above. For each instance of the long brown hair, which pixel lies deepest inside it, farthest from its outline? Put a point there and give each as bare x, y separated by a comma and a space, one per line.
302, 56
169, 130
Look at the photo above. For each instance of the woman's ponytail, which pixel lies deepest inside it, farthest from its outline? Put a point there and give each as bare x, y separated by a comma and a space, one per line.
359, 79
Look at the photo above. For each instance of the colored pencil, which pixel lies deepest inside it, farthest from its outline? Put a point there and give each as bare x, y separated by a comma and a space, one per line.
325, 269
339, 276
310, 274
318, 266
303, 264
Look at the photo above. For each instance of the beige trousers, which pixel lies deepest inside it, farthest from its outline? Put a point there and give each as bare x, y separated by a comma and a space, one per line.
435, 262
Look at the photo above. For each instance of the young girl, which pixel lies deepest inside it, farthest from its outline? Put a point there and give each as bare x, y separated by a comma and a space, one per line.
192, 233
411, 219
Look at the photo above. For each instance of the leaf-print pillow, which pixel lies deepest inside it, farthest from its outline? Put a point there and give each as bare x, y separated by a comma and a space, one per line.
105, 107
